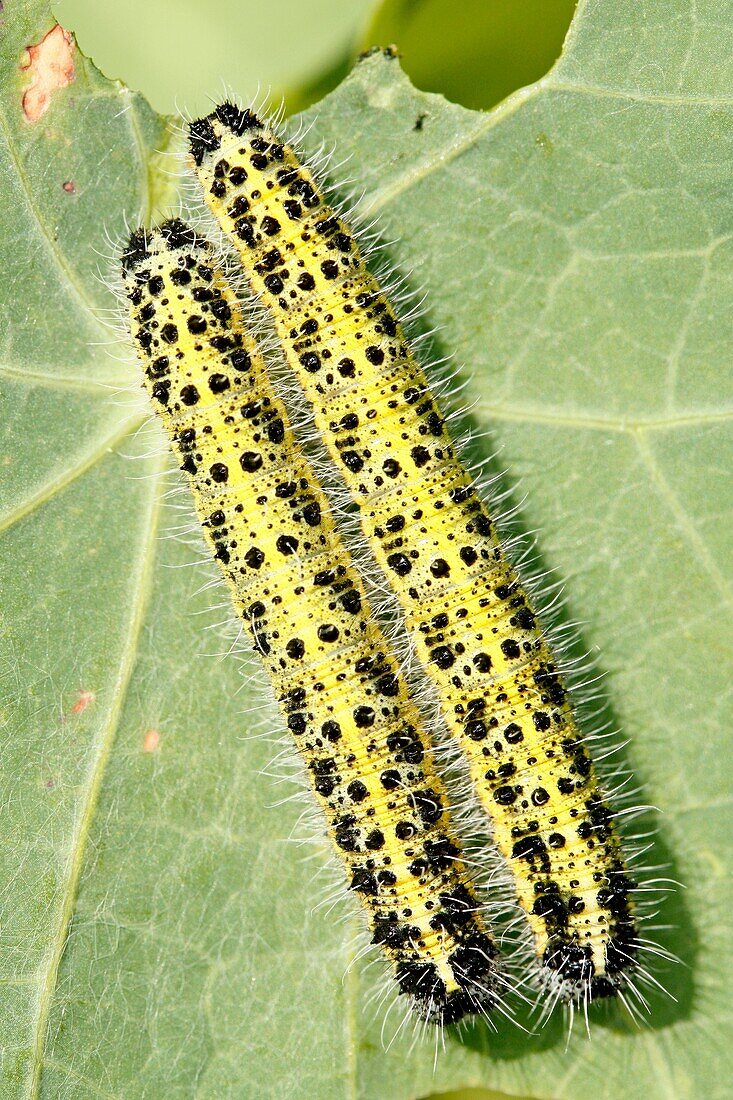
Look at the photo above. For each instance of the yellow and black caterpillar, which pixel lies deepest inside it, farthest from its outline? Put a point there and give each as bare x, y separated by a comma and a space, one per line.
466, 609
293, 584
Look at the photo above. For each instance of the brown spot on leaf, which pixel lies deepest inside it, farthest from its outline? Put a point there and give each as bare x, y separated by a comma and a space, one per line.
151, 741
51, 66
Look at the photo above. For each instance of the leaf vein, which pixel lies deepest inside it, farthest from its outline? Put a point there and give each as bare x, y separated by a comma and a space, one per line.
71, 474
101, 753
684, 521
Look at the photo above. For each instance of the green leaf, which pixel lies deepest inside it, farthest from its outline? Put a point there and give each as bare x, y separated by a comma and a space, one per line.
157, 932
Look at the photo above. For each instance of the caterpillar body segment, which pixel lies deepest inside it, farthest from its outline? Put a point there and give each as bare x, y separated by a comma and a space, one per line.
475, 630
292, 582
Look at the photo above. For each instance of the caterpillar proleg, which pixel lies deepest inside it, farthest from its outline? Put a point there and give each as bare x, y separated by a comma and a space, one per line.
293, 584
465, 606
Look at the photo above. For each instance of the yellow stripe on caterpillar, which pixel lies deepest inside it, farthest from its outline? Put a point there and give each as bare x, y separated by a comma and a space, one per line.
293, 584
475, 630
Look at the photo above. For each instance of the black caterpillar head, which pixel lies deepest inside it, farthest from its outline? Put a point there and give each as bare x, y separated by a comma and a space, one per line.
204, 134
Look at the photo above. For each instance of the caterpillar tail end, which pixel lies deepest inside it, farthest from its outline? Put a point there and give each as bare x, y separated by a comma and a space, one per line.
474, 990
570, 967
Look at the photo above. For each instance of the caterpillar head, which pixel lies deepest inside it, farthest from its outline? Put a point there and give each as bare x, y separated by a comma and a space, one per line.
205, 134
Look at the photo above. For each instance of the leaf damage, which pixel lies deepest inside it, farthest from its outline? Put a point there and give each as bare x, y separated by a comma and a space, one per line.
50, 64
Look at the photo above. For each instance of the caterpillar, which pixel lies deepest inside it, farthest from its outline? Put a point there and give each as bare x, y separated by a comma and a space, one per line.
473, 625
293, 584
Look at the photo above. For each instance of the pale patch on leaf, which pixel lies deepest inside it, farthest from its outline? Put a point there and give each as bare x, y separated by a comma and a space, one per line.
151, 740
51, 66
